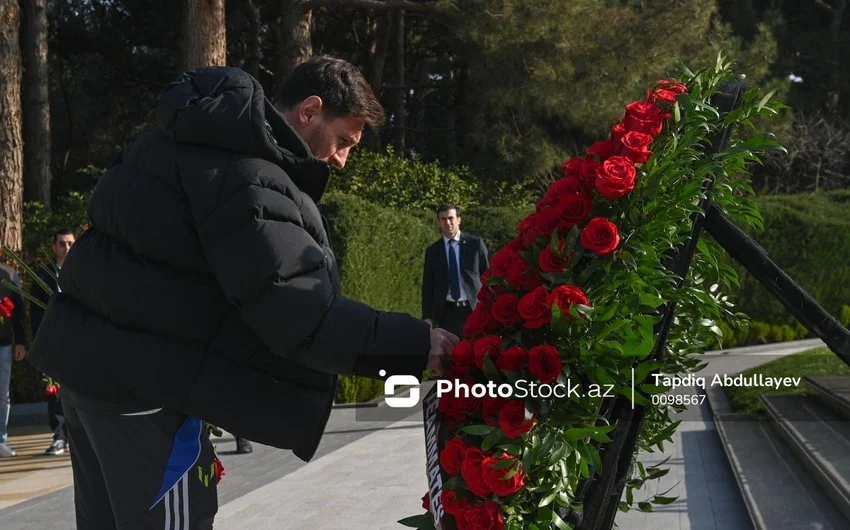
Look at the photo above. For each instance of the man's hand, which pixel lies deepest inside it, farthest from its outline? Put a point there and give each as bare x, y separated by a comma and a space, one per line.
442, 344
21, 351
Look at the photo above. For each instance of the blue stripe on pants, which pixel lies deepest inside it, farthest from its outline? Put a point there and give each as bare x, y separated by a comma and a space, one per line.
184, 453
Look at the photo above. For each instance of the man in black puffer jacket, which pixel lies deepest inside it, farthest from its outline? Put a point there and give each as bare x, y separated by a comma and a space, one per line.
206, 290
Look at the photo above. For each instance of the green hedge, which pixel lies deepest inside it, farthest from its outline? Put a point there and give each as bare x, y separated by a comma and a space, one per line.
808, 236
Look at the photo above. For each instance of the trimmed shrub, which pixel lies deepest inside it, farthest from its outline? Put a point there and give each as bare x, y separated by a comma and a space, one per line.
808, 236
403, 184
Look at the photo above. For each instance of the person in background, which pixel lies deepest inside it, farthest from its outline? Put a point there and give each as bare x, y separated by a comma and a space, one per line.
452, 275
13, 344
63, 240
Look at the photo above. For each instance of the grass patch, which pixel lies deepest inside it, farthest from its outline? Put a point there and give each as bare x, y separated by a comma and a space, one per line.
817, 361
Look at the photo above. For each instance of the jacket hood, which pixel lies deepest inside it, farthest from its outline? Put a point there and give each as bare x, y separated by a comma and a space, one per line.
227, 108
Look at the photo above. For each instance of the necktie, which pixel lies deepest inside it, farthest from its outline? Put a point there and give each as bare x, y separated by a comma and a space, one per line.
454, 273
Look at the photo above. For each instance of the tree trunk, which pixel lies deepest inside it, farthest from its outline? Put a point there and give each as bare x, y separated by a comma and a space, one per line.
11, 142
294, 37
204, 34
36, 103
252, 59
378, 51
398, 96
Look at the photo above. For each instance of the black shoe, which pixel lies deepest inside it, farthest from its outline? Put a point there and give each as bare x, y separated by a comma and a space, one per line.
56, 448
243, 446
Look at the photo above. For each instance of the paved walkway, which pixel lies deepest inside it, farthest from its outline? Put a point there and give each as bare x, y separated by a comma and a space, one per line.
368, 475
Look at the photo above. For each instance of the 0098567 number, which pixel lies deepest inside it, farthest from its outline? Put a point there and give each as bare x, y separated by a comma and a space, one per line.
678, 399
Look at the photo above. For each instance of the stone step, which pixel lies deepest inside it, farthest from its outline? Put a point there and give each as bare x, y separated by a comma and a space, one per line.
776, 488
832, 391
820, 439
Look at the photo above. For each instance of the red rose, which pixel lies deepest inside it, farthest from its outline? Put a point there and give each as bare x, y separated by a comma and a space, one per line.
535, 309
426, 501
502, 260
517, 273
463, 356
485, 295
544, 361
617, 133
504, 311
495, 478
616, 177
587, 174
566, 296
477, 321
219, 470
602, 149
565, 186
573, 210
600, 236
471, 471
666, 90
514, 359
527, 229
51, 390
548, 262
635, 146
532, 280
572, 166
484, 516
645, 117
558, 190
452, 505
547, 221
524, 277
6, 307
455, 407
512, 419
518, 244
449, 408
491, 407
451, 457
492, 345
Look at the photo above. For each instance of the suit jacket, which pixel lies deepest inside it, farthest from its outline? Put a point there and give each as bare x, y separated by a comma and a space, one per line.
435, 278
37, 313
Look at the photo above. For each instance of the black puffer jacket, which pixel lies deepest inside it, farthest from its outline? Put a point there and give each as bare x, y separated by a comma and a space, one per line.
206, 283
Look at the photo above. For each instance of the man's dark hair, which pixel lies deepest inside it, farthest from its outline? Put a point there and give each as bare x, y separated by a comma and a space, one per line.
342, 87
62, 232
446, 206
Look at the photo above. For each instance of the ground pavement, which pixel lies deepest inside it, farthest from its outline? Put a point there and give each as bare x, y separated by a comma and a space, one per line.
369, 474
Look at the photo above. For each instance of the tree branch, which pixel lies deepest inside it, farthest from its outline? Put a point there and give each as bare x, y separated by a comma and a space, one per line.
825, 6
378, 5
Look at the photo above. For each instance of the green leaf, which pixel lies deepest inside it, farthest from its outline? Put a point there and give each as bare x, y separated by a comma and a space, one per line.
559, 523
420, 522
547, 500
478, 430
658, 499
766, 98
558, 453
645, 507
504, 464
490, 370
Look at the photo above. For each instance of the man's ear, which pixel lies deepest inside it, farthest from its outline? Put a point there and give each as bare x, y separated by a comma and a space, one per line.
309, 109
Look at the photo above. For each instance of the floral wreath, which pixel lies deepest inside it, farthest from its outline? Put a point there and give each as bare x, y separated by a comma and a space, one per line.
573, 300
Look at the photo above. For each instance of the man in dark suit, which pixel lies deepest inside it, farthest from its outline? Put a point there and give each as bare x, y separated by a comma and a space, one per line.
63, 240
452, 275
